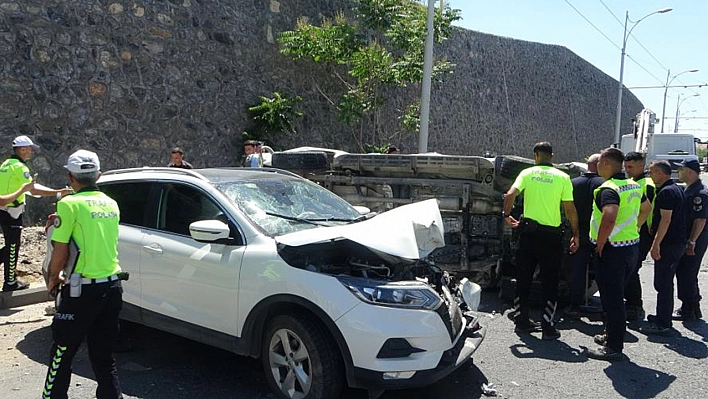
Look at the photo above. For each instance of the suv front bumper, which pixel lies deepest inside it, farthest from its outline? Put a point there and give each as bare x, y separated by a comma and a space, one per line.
467, 343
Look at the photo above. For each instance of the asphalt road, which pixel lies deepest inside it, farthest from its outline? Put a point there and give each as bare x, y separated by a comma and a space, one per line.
157, 365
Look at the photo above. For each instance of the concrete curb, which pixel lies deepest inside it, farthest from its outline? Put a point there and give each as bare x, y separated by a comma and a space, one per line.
36, 293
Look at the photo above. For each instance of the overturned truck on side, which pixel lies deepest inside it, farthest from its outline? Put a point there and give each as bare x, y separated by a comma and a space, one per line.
469, 191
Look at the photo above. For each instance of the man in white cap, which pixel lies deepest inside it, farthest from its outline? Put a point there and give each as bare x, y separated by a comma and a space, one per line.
92, 298
14, 173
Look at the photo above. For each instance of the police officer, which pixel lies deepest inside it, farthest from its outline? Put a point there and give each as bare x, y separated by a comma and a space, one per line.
619, 208
14, 173
583, 192
635, 167
89, 305
545, 188
669, 244
696, 207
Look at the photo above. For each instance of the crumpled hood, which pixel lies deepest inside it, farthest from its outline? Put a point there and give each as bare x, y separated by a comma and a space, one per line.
411, 231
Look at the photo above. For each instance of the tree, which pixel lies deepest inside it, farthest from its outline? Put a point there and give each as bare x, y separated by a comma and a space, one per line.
274, 115
381, 50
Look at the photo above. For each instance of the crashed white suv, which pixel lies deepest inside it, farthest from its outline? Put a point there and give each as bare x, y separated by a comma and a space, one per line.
264, 263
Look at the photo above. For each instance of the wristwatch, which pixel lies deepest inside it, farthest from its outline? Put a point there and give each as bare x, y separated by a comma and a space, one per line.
691, 242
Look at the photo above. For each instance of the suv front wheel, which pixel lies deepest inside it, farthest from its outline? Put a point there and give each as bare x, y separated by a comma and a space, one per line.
300, 359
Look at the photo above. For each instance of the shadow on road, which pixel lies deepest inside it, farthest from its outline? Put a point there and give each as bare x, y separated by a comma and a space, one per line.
534, 347
636, 382
158, 365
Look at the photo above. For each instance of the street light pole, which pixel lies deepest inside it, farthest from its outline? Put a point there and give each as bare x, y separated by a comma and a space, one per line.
666, 88
427, 78
678, 106
618, 117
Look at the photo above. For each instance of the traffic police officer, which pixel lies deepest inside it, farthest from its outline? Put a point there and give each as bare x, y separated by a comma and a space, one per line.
696, 207
14, 173
583, 192
619, 208
90, 303
669, 244
545, 188
634, 166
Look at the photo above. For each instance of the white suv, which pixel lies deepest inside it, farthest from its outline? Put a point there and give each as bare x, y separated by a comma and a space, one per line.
264, 263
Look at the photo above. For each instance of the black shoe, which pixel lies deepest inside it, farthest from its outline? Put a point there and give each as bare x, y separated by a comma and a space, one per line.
527, 327
683, 314
697, 310
573, 312
550, 333
601, 339
635, 313
605, 353
16, 286
652, 328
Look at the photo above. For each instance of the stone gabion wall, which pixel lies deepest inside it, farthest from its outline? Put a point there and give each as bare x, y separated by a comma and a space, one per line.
130, 79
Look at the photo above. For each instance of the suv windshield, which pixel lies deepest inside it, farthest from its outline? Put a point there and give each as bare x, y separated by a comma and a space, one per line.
280, 206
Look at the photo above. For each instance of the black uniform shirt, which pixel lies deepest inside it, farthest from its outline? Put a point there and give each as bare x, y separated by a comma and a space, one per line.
696, 204
583, 192
670, 197
185, 165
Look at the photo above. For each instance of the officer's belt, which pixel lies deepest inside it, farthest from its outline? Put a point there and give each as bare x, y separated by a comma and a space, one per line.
100, 280
531, 226
14, 211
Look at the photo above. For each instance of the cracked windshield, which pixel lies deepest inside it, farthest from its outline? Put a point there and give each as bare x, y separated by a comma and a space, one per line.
284, 206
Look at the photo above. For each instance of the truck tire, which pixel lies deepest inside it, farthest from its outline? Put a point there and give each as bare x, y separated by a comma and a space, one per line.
300, 359
306, 160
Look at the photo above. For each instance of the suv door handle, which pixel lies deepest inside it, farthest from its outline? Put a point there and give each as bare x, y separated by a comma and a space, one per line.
154, 248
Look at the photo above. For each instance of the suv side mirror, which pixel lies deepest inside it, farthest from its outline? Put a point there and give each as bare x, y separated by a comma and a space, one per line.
209, 230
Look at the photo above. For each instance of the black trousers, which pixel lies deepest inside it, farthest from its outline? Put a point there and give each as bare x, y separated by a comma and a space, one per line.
687, 274
545, 250
581, 262
633, 291
12, 231
94, 316
614, 269
664, 272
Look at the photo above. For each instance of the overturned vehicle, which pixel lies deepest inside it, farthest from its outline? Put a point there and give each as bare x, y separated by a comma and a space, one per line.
468, 189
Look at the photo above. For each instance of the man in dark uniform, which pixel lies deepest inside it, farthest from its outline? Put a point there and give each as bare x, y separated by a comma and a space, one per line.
619, 208
669, 244
177, 159
89, 305
545, 189
14, 173
696, 207
583, 192
635, 166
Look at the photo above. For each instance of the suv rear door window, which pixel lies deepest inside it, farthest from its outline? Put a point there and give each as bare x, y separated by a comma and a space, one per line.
132, 199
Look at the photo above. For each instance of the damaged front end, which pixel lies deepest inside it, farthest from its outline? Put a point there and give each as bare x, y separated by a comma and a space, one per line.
382, 279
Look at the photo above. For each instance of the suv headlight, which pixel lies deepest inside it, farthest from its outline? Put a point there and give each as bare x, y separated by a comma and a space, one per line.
402, 294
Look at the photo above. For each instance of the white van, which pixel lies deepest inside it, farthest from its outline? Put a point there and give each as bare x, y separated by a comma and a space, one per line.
673, 147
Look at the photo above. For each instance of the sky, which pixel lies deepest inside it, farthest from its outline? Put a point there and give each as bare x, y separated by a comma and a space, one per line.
659, 46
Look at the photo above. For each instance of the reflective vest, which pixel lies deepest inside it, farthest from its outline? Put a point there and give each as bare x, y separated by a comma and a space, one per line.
644, 182
625, 231
13, 174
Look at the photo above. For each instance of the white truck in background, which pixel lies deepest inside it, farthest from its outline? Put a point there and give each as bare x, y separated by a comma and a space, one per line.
672, 147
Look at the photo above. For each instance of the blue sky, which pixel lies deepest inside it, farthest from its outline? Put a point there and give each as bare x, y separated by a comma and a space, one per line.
676, 41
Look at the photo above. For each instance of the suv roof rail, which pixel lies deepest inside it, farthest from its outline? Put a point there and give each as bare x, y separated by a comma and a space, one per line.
164, 169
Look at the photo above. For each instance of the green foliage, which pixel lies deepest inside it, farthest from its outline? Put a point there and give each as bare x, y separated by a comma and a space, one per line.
410, 120
372, 148
701, 152
275, 115
380, 50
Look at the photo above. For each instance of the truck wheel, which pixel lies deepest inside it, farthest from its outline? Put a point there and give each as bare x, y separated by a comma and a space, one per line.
306, 160
300, 359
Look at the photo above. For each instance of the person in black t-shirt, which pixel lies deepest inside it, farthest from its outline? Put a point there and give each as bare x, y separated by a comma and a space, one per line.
669, 244
177, 159
583, 192
696, 207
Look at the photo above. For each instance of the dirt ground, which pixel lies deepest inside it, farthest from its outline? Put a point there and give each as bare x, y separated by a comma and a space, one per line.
32, 251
